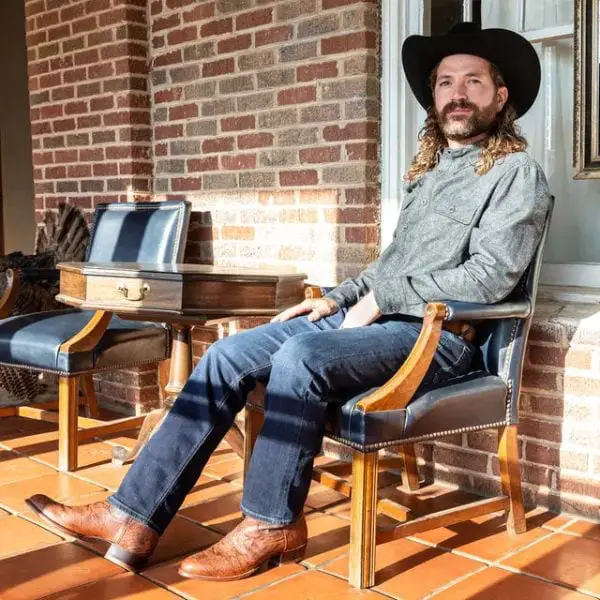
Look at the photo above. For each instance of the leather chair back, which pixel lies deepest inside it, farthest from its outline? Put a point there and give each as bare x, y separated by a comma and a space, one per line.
502, 342
142, 232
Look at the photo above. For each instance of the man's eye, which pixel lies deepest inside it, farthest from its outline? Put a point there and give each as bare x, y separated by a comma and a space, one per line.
474, 81
443, 83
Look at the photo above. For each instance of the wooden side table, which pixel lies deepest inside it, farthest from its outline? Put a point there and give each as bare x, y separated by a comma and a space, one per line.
180, 295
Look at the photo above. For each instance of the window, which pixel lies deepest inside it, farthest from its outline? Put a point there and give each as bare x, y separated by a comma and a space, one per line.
443, 14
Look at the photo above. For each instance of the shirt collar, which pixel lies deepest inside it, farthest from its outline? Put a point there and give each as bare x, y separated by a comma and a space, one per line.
453, 158
449, 160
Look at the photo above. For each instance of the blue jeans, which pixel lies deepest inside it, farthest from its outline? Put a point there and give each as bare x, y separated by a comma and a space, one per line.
304, 366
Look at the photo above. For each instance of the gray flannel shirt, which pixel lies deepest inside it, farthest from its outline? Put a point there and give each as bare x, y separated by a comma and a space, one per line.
460, 236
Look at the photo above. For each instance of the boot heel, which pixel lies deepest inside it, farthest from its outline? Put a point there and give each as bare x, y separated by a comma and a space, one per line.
292, 555
127, 560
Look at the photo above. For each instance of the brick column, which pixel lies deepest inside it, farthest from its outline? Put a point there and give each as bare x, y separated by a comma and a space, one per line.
90, 114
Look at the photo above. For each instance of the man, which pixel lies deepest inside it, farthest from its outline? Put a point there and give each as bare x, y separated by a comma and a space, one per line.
474, 212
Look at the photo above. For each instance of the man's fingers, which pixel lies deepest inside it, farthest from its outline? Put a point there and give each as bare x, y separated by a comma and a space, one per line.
282, 316
292, 312
315, 315
317, 309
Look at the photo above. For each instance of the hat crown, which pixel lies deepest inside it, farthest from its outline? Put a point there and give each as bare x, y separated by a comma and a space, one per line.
465, 28
510, 52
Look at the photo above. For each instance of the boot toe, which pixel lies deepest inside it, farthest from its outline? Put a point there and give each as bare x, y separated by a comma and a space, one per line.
194, 566
39, 502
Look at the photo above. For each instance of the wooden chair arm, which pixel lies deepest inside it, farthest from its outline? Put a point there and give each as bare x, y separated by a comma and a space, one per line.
311, 292
397, 392
8, 299
88, 338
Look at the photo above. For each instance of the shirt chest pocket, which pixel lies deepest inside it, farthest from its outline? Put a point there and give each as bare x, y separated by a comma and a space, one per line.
458, 210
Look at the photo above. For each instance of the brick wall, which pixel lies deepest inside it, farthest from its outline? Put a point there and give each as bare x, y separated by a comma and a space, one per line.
90, 105
255, 95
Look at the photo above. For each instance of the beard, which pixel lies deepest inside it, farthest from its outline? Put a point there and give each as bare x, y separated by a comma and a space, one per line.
463, 127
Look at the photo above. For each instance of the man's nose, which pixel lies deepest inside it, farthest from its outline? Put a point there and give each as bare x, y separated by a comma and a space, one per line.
460, 91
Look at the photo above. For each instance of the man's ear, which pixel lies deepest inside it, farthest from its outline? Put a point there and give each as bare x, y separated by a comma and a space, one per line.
502, 95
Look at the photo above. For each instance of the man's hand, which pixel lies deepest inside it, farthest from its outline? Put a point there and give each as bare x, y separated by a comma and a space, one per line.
317, 309
364, 312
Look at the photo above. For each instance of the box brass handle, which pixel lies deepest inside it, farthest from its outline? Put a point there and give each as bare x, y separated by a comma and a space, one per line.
133, 295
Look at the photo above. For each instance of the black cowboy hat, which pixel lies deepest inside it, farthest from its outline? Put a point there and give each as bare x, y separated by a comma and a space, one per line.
512, 54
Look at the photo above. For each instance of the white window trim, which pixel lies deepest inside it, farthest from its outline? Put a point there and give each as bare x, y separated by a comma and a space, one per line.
399, 20
390, 115
549, 34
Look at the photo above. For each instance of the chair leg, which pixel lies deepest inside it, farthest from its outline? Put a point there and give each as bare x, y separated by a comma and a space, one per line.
253, 421
87, 383
510, 474
67, 423
363, 520
410, 475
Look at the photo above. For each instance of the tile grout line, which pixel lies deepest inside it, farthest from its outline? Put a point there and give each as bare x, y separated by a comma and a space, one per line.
88, 584
552, 582
499, 565
254, 590
273, 583
454, 582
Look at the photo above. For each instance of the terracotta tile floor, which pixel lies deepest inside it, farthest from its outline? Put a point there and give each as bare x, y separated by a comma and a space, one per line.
557, 559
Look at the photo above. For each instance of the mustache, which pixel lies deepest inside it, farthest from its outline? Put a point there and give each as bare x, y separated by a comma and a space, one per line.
457, 104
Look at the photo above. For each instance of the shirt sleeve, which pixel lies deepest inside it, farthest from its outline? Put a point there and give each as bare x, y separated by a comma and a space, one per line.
351, 290
500, 249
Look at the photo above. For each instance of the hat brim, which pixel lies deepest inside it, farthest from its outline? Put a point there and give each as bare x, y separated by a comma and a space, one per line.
514, 56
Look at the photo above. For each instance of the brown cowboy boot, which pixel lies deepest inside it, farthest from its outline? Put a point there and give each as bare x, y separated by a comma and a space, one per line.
244, 549
131, 541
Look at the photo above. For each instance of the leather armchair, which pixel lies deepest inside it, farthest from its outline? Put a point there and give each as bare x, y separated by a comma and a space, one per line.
73, 343
401, 412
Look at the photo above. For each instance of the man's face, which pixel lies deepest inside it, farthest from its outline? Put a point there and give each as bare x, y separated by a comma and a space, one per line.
466, 98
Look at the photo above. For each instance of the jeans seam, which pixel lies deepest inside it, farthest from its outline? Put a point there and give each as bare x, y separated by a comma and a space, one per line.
196, 446
287, 482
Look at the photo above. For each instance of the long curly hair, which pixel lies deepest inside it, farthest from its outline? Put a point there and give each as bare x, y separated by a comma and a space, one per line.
505, 137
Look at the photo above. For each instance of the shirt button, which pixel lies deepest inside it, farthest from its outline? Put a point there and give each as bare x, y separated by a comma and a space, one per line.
451, 209
404, 227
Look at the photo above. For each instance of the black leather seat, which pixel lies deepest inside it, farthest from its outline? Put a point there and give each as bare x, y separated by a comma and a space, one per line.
477, 398
34, 341
144, 232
